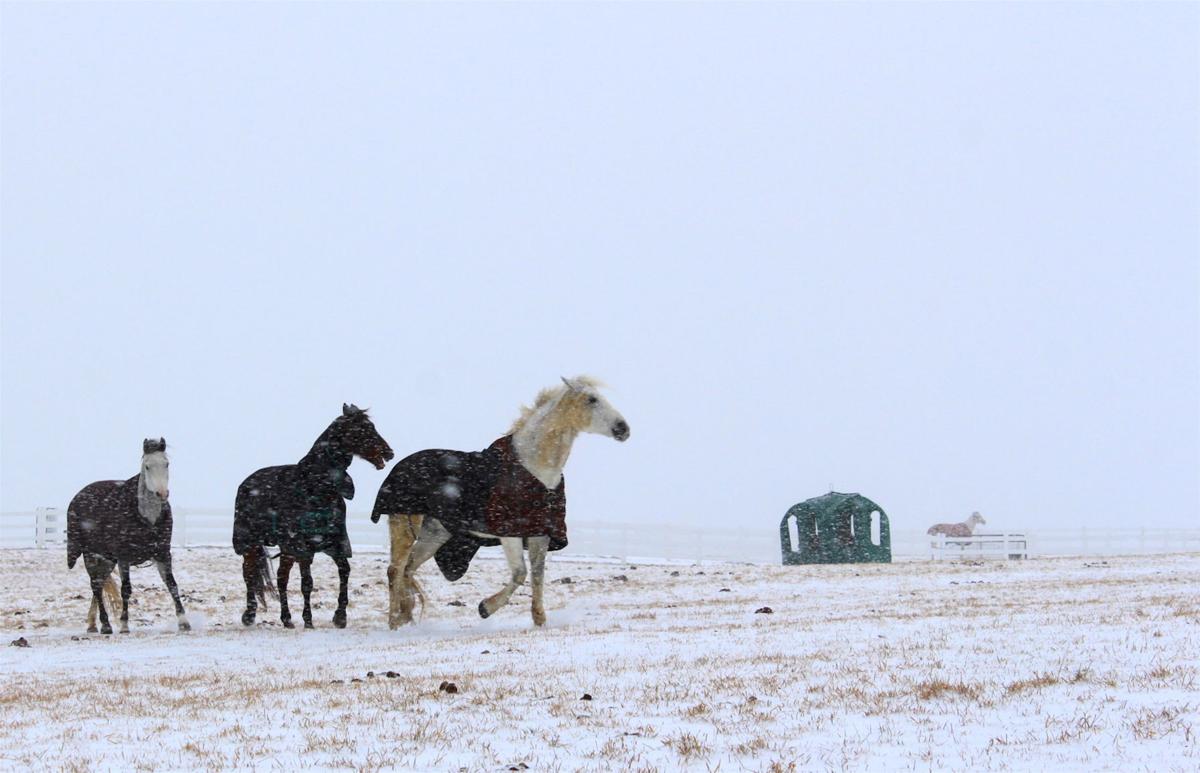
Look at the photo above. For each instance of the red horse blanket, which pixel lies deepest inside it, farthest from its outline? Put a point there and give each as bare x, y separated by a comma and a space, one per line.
520, 505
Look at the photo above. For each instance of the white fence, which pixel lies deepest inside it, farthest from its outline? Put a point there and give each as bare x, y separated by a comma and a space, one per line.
755, 542
1003, 546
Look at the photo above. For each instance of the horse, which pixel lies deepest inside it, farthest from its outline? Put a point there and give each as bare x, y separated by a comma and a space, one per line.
302, 509
124, 522
447, 504
964, 529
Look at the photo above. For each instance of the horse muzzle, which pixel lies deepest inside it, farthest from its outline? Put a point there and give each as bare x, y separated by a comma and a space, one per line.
620, 431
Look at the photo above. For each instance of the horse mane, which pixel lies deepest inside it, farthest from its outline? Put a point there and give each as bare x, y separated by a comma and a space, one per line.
547, 395
561, 423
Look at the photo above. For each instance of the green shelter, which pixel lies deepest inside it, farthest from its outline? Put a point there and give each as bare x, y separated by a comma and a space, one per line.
835, 529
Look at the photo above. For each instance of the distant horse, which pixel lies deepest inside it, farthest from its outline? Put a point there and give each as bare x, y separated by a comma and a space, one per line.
124, 522
964, 529
302, 509
447, 504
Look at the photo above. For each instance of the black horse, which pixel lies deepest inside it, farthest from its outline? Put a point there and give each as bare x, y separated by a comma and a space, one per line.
124, 522
302, 509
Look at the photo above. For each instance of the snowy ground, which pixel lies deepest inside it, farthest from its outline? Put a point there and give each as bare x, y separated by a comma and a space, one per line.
1048, 663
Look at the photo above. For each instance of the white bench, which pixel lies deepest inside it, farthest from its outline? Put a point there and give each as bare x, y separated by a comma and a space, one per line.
1003, 546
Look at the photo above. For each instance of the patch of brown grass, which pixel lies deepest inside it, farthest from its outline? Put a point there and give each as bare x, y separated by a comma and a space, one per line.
1037, 682
687, 746
939, 688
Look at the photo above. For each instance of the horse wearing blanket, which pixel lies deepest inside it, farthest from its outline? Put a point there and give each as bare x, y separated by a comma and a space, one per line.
302, 508
447, 504
124, 523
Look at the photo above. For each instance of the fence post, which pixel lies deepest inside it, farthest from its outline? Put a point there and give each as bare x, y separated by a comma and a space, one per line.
39, 527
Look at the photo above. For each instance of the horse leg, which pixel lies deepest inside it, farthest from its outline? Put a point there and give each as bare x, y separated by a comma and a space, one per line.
126, 592
537, 566
250, 575
98, 570
339, 616
281, 582
403, 531
514, 553
306, 589
168, 578
429, 540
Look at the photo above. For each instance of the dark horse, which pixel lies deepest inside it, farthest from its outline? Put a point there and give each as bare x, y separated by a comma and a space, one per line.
302, 509
124, 522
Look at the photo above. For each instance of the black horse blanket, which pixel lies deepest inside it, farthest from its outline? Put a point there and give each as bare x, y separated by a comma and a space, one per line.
487, 491
103, 520
301, 509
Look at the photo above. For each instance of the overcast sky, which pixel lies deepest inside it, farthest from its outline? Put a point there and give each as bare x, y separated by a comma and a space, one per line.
945, 255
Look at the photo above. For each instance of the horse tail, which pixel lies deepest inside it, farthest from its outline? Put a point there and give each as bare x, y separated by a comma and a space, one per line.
268, 577
74, 543
264, 578
416, 585
111, 593
258, 575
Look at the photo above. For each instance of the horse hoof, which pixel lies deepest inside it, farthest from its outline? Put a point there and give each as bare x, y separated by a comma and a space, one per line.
339, 619
483, 611
106, 630
91, 629
308, 625
184, 626
247, 618
124, 630
288, 624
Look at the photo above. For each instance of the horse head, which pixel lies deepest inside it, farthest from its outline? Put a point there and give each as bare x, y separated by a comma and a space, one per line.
588, 411
155, 467
357, 435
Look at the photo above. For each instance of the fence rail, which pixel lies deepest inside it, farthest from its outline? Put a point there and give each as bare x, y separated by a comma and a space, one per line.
755, 543
1003, 546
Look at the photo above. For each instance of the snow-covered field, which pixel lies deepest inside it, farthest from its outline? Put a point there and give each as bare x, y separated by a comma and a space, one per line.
1048, 663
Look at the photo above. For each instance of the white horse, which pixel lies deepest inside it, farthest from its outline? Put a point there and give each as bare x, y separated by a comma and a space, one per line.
446, 504
964, 529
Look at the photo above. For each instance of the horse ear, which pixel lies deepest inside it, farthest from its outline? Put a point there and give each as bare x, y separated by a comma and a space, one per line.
567, 381
346, 409
162, 444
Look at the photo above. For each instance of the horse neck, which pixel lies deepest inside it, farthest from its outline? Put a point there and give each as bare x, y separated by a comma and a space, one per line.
543, 446
325, 455
149, 506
